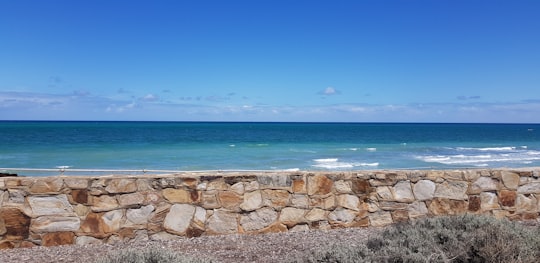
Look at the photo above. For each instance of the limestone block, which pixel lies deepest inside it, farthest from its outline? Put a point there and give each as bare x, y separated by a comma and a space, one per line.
445, 206
342, 216
222, 222
152, 198
4, 195
299, 201
143, 185
417, 209
238, 188
58, 239
507, 198
348, 201
275, 181
455, 190
384, 193
209, 200
16, 196
275, 198
87, 240
55, 224
50, 205
230, 200
2, 184
190, 183
3, 229
343, 187
132, 199
316, 214
199, 217
380, 219
471, 175
15, 224
218, 184
489, 201
402, 192
453, 175
531, 188
112, 221
483, 184
76, 183
500, 214
291, 216
46, 185
299, 228
319, 185
179, 218
510, 179
385, 205
252, 201
526, 203
140, 216
372, 206
258, 219
202, 186
251, 186
103, 203
424, 190
121, 185
180, 196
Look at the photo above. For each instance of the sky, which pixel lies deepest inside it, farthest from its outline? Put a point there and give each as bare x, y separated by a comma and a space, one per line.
271, 60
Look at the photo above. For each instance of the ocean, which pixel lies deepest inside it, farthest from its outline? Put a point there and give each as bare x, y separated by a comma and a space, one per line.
196, 146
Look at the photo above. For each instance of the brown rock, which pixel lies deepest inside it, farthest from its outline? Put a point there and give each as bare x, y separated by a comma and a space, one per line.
7, 244
104, 203
16, 223
379, 219
93, 225
299, 186
180, 196
46, 185
489, 201
275, 198
58, 239
445, 206
400, 216
79, 196
275, 228
230, 200
474, 203
319, 185
507, 198
117, 186
76, 183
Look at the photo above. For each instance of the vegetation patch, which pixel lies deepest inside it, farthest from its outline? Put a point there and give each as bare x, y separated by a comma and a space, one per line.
464, 238
149, 255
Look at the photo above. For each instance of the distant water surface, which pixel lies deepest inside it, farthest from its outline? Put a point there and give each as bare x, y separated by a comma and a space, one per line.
266, 146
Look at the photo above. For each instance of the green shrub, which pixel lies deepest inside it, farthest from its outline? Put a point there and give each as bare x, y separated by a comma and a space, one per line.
148, 255
464, 238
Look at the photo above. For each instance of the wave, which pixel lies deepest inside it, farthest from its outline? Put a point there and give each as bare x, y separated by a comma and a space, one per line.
371, 149
334, 163
485, 149
482, 160
63, 167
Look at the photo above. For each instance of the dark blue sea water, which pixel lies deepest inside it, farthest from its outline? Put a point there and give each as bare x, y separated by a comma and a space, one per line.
266, 146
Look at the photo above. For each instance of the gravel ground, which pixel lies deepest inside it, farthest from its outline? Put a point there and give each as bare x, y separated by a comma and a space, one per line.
229, 248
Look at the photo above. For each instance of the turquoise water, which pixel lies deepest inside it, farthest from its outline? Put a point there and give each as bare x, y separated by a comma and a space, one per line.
266, 146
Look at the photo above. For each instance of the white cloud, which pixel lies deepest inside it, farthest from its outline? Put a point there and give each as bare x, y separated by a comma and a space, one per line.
150, 98
329, 91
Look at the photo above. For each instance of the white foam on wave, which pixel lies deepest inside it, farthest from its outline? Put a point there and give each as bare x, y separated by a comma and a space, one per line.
481, 159
63, 166
334, 163
371, 149
486, 149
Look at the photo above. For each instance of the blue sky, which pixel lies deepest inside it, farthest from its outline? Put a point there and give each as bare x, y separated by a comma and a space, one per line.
351, 61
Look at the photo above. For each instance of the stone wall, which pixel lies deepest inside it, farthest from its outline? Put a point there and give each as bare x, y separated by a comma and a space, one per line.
60, 210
